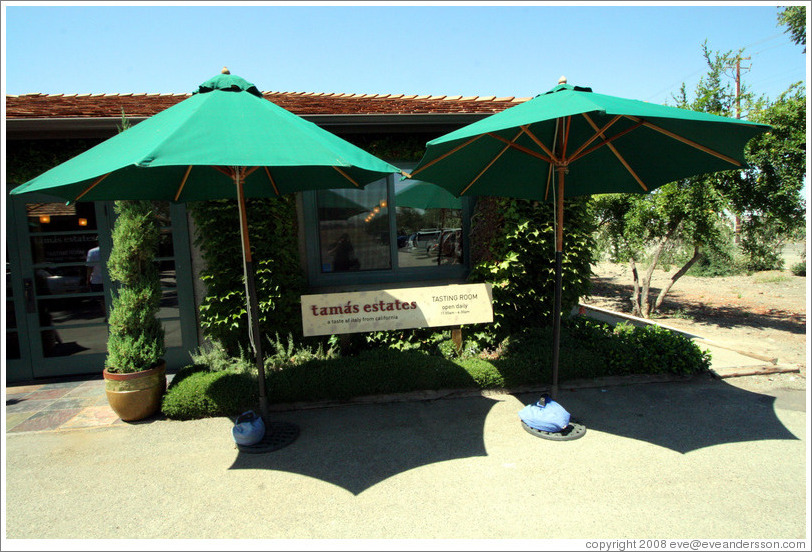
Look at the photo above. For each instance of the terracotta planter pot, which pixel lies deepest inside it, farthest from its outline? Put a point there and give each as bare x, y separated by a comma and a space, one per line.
137, 395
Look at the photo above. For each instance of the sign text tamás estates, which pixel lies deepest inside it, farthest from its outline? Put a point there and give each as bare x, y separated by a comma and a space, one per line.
396, 309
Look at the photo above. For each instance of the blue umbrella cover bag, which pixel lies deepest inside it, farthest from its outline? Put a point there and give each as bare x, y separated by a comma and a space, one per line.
249, 429
545, 415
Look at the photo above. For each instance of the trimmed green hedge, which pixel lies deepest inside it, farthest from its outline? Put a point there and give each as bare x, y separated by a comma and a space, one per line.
589, 349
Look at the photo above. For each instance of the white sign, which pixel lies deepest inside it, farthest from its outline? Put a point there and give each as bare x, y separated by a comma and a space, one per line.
396, 309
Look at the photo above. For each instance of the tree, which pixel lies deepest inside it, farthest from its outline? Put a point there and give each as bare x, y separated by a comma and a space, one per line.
770, 190
136, 338
794, 19
691, 214
686, 213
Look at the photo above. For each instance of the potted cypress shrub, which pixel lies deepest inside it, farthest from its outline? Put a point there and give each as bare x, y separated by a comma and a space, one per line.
135, 372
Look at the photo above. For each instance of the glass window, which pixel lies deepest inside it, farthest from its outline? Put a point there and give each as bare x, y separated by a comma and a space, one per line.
429, 222
354, 229
392, 230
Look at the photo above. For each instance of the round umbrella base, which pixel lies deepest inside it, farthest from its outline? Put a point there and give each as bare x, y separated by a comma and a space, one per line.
278, 435
573, 431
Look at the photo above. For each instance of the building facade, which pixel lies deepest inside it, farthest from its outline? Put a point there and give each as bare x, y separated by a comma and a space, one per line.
57, 290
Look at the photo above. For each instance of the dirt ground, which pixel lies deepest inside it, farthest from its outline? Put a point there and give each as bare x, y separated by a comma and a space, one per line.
764, 313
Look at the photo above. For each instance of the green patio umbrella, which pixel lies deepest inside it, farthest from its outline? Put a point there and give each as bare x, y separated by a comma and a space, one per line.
224, 142
594, 144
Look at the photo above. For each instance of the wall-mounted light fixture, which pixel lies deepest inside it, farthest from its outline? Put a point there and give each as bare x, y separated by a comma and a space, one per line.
44, 219
82, 222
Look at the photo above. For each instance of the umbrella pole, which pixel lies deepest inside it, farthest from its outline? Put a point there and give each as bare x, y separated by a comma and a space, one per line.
559, 248
251, 300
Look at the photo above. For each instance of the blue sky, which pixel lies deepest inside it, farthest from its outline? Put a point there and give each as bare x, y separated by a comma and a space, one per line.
636, 50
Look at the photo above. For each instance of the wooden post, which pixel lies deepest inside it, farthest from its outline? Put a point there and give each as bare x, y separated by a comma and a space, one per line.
456, 337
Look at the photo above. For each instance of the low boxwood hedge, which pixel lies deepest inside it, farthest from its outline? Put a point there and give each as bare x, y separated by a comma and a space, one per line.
589, 349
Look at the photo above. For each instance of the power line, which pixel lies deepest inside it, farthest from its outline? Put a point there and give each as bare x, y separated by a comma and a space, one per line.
683, 79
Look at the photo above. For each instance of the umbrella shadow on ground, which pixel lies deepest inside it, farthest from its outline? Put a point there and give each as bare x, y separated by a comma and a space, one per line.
721, 316
682, 416
359, 446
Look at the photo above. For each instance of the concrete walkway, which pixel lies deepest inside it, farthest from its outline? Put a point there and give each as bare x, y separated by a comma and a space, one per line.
696, 458
703, 457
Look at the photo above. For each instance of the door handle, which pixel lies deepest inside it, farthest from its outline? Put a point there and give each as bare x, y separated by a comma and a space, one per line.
28, 291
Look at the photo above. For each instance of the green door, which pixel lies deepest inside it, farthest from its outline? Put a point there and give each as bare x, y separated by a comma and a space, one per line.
60, 316
59, 290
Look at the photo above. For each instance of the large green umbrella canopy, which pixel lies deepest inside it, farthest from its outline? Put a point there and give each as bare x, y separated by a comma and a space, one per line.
593, 142
188, 151
225, 141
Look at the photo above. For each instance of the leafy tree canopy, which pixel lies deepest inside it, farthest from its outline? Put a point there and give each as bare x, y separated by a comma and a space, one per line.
794, 19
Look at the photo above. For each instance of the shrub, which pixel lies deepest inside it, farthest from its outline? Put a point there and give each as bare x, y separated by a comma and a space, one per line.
589, 349
515, 252
799, 269
196, 392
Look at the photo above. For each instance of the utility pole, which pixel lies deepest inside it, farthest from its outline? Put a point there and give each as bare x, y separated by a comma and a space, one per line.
738, 222
739, 84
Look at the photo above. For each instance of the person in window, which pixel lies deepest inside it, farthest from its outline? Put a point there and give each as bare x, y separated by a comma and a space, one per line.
94, 274
344, 258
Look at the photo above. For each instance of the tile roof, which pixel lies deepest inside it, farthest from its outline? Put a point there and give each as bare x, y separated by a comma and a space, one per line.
40, 106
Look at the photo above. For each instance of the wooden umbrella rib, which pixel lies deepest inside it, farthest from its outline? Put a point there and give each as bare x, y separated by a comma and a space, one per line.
606, 141
494, 160
617, 154
345, 175
566, 137
684, 140
540, 144
550, 170
268, 172
225, 171
521, 148
96, 183
183, 182
595, 136
443, 156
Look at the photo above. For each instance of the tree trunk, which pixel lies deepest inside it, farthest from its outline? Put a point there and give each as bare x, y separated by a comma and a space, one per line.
635, 298
645, 304
679, 274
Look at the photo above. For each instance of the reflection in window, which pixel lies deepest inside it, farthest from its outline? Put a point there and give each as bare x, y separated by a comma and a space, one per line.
429, 222
71, 311
354, 229
73, 341
390, 231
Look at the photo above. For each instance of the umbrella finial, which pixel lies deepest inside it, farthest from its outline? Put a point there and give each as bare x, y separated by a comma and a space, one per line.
562, 80
225, 71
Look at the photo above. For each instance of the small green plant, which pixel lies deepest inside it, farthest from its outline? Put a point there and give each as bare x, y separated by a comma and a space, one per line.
291, 353
136, 339
683, 314
216, 358
799, 269
770, 278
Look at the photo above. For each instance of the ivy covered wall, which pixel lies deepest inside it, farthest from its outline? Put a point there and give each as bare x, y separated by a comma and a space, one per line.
513, 248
